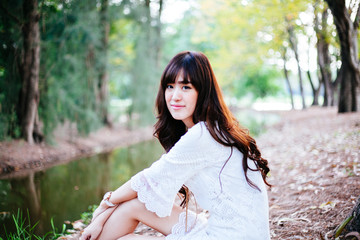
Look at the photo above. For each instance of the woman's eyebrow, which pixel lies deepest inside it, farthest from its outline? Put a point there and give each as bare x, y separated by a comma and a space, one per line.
184, 81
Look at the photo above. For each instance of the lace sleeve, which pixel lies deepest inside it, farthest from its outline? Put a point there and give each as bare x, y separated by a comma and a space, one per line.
146, 190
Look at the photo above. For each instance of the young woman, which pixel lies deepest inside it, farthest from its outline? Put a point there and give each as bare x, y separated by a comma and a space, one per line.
207, 154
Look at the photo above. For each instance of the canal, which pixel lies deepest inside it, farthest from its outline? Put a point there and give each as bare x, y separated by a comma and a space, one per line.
63, 192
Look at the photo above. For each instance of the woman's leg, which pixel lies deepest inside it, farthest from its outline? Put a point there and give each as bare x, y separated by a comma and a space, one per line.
127, 215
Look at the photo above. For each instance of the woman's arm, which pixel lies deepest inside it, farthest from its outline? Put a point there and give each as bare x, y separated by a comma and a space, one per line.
120, 195
123, 194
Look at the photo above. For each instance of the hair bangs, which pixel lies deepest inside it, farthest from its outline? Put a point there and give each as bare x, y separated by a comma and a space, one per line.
186, 76
171, 74
184, 65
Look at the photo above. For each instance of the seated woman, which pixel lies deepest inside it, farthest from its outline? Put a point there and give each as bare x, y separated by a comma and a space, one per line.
207, 153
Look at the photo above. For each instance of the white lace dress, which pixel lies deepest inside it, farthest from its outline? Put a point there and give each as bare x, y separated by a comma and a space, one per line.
237, 211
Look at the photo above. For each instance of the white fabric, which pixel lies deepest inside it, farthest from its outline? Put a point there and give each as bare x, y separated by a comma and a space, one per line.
237, 211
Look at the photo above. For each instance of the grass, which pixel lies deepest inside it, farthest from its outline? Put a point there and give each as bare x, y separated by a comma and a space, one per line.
87, 216
26, 231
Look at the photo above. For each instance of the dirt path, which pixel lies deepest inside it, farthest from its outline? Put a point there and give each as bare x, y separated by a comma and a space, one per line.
314, 157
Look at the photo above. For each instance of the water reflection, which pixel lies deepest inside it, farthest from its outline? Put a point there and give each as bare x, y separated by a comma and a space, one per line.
64, 192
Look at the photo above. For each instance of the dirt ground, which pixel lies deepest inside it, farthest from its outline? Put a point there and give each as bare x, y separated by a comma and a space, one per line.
314, 156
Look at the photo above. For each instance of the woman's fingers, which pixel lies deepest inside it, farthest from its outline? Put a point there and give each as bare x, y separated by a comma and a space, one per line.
85, 236
92, 231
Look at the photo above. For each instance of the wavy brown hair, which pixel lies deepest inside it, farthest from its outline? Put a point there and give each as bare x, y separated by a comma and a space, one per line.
210, 108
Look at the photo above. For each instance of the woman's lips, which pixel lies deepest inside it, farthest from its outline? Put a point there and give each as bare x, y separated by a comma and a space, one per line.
177, 107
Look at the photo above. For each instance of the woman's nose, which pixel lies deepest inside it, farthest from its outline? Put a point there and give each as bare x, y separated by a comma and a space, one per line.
176, 94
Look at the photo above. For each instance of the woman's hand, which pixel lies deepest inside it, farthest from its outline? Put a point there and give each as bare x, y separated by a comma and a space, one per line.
100, 216
92, 231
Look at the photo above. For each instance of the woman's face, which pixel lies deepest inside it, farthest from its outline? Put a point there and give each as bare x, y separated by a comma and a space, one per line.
181, 100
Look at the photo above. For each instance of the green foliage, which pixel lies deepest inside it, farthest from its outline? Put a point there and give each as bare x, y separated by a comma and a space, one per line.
9, 123
26, 231
54, 234
246, 37
122, 38
69, 66
260, 82
10, 85
144, 70
179, 37
87, 216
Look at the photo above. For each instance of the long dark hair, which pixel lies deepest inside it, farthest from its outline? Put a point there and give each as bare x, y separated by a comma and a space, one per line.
210, 108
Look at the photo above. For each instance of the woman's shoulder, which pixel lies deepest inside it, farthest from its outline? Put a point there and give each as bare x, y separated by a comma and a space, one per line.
197, 144
196, 132
197, 137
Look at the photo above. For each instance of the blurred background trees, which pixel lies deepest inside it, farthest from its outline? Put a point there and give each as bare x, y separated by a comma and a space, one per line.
90, 63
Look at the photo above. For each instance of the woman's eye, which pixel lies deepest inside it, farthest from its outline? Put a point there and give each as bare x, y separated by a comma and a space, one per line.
169, 86
186, 87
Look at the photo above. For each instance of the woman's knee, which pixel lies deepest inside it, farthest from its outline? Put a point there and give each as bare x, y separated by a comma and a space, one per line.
132, 207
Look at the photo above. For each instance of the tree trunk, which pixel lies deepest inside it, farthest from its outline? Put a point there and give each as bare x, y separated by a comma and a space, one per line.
287, 80
354, 224
293, 44
158, 41
29, 99
315, 90
351, 223
103, 79
324, 60
349, 96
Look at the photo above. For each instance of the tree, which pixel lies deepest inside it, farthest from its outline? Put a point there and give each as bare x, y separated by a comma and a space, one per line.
30, 96
28, 66
241, 38
294, 47
158, 43
350, 227
348, 76
324, 60
103, 96
145, 68
10, 79
286, 74
70, 66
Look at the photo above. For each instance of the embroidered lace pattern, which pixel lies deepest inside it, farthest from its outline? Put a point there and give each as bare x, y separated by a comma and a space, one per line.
192, 225
147, 195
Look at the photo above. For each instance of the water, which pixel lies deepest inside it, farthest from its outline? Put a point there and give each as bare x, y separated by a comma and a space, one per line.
64, 192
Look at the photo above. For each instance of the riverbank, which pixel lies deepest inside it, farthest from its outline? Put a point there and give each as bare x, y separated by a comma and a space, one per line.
18, 158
